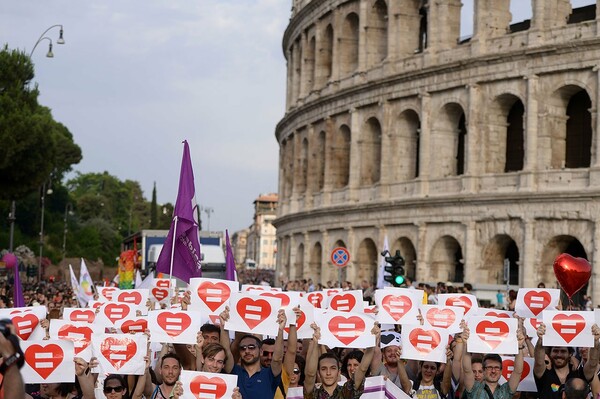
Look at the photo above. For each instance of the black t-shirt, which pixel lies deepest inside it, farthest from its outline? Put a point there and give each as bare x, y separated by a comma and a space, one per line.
549, 385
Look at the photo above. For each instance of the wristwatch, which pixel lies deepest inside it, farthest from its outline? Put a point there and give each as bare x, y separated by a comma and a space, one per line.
9, 361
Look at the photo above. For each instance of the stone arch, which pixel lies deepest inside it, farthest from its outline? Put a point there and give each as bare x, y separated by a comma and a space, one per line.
316, 262
370, 153
309, 63
348, 43
505, 135
303, 161
318, 162
288, 166
499, 248
569, 127
299, 265
326, 56
377, 33
340, 157
409, 253
447, 262
296, 68
449, 141
406, 146
556, 246
367, 261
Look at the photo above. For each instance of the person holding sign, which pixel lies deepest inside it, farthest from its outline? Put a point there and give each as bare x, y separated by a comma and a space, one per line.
170, 370
329, 368
492, 371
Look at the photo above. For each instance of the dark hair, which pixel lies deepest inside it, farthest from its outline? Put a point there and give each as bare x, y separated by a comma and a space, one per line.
328, 355
355, 354
258, 341
570, 349
576, 388
301, 364
476, 359
493, 357
268, 341
210, 328
65, 388
212, 350
170, 356
121, 380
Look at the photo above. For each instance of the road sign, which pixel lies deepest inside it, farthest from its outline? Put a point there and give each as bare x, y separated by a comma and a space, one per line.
340, 257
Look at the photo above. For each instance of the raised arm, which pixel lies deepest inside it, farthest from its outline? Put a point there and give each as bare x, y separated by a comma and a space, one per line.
539, 353
376, 362
467, 370
277, 361
290, 354
359, 375
312, 360
447, 376
85, 378
457, 355
590, 367
225, 341
404, 380
515, 377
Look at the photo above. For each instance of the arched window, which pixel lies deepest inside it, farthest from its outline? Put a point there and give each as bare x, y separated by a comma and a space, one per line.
349, 45
460, 151
340, 157
579, 131
370, 149
515, 150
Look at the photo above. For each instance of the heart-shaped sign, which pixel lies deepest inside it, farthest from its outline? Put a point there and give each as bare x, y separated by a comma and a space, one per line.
492, 332
347, 329
24, 324
253, 311
285, 299
299, 322
44, 359
118, 351
497, 314
85, 315
508, 365
116, 311
107, 292
173, 323
534, 322
315, 298
460, 301
204, 387
396, 305
568, 326
213, 295
132, 297
424, 341
343, 303
537, 301
159, 293
162, 283
81, 336
134, 326
442, 318
572, 273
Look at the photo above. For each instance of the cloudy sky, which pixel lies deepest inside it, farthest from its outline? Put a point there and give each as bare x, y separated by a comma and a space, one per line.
136, 77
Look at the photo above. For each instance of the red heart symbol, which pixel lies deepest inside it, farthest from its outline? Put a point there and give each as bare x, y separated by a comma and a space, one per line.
133, 297
253, 311
173, 323
255, 288
343, 303
86, 315
204, 387
160, 293
163, 283
396, 305
24, 324
215, 319
285, 300
138, 325
316, 298
213, 295
107, 292
572, 273
537, 301
492, 332
299, 322
495, 314
118, 351
116, 311
508, 365
44, 359
332, 292
534, 322
81, 336
442, 318
568, 326
347, 329
96, 305
424, 341
460, 301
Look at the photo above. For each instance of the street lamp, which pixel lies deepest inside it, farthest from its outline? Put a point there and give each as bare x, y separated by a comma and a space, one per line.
208, 211
60, 40
44, 192
68, 211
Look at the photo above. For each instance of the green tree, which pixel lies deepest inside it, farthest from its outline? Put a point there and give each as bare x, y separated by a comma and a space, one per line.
154, 210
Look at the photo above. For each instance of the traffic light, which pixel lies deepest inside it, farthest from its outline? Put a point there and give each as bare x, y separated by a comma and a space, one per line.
395, 269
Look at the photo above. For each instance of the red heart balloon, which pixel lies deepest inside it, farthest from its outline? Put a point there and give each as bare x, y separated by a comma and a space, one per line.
572, 273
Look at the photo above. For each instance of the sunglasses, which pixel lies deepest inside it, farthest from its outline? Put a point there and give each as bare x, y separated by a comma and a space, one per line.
250, 347
267, 353
296, 370
118, 389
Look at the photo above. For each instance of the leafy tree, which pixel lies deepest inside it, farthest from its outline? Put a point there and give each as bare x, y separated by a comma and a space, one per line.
153, 209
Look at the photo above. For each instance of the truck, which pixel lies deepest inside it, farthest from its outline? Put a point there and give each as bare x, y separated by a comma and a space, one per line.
149, 243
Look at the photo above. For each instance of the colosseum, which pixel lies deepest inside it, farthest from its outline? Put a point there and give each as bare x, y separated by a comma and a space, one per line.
465, 154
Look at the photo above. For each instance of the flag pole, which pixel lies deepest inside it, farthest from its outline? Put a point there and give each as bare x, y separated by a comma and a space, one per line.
173, 255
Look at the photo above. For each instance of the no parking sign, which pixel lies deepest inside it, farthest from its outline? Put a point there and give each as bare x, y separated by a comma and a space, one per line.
340, 257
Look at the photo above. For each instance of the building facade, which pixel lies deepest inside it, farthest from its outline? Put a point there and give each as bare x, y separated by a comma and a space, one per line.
463, 153
262, 240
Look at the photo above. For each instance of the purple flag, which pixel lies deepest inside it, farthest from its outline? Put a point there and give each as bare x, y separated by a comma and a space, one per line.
230, 270
18, 299
184, 229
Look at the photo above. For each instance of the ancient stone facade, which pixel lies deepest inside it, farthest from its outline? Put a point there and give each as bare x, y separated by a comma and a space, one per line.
462, 153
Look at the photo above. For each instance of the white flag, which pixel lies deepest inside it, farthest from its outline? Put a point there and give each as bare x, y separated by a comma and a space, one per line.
138, 279
75, 286
381, 283
147, 282
86, 284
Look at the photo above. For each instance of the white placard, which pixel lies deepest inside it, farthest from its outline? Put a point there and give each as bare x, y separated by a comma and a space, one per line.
121, 353
382, 388
254, 289
501, 314
160, 291
134, 325
398, 305
26, 321
568, 328
531, 325
304, 331
527, 383
174, 326
95, 304
211, 295
105, 294
110, 312
347, 301
48, 361
424, 343
197, 384
79, 332
466, 301
318, 299
253, 314
83, 315
345, 329
137, 297
492, 335
446, 317
531, 302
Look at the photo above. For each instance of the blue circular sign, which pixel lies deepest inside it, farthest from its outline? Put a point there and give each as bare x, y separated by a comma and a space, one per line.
340, 257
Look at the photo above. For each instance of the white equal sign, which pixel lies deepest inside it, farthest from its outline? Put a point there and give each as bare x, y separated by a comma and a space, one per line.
207, 391
173, 324
347, 330
253, 312
41, 360
440, 320
568, 327
117, 352
214, 295
424, 342
136, 327
80, 317
25, 326
492, 334
343, 305
117, 312
537, 301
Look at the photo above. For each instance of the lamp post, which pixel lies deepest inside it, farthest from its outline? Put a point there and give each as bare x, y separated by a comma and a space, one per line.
60, 40
208, 211
44, 192
68, 211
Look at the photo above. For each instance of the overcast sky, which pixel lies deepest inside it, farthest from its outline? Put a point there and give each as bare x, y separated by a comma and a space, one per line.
136, 77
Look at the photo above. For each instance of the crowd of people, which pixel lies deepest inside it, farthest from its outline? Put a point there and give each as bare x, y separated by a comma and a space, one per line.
269, 367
